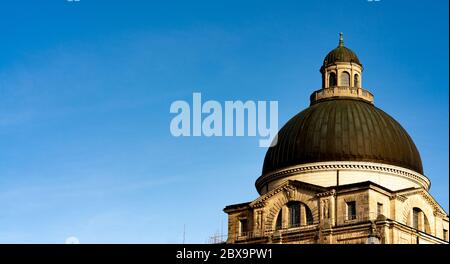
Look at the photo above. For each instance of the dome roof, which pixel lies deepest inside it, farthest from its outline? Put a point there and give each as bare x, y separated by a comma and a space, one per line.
341, 54
342, 130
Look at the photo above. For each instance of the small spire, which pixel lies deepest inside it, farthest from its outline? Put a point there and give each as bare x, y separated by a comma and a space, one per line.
341, 39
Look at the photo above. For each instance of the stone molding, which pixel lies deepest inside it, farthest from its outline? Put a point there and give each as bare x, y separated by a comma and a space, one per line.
343, 165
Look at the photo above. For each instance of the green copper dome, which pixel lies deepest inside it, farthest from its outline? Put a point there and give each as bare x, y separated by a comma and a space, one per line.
340, 127
342, 130
341, 54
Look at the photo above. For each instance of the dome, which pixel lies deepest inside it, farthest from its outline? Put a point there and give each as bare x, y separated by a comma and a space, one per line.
341, 54
342, 130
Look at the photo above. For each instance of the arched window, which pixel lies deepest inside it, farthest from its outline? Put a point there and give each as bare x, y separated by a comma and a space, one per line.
332, 80
279, 222
345, 79
426, 225
294, 214
299, 214
356, 80
420, 220
309, 217
416, 217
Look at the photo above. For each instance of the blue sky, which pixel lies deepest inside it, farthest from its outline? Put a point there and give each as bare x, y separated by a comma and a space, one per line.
85, 91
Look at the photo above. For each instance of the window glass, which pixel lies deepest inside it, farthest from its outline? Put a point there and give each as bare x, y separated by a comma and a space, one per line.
345, 79
294, 214
351, 210
416, 212
332, 80
243, 227
356, 80
379, 208
279, 222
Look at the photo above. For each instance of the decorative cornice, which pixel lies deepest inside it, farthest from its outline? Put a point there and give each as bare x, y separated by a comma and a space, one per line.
306, 186
440, 214
260, 201
399, 197
343, 165
325, 194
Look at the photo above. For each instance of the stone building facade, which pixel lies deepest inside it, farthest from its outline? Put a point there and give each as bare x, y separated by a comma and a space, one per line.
343, 171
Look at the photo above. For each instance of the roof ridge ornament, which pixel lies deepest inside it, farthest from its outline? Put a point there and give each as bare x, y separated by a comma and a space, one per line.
341, 39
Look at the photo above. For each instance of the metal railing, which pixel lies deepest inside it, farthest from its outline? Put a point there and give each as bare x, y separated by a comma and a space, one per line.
340, 220
279, 231
217, 239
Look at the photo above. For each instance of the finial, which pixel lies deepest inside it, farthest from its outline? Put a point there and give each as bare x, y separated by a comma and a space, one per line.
341, 39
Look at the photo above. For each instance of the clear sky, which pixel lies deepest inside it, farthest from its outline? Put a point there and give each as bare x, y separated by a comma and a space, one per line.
86, 87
